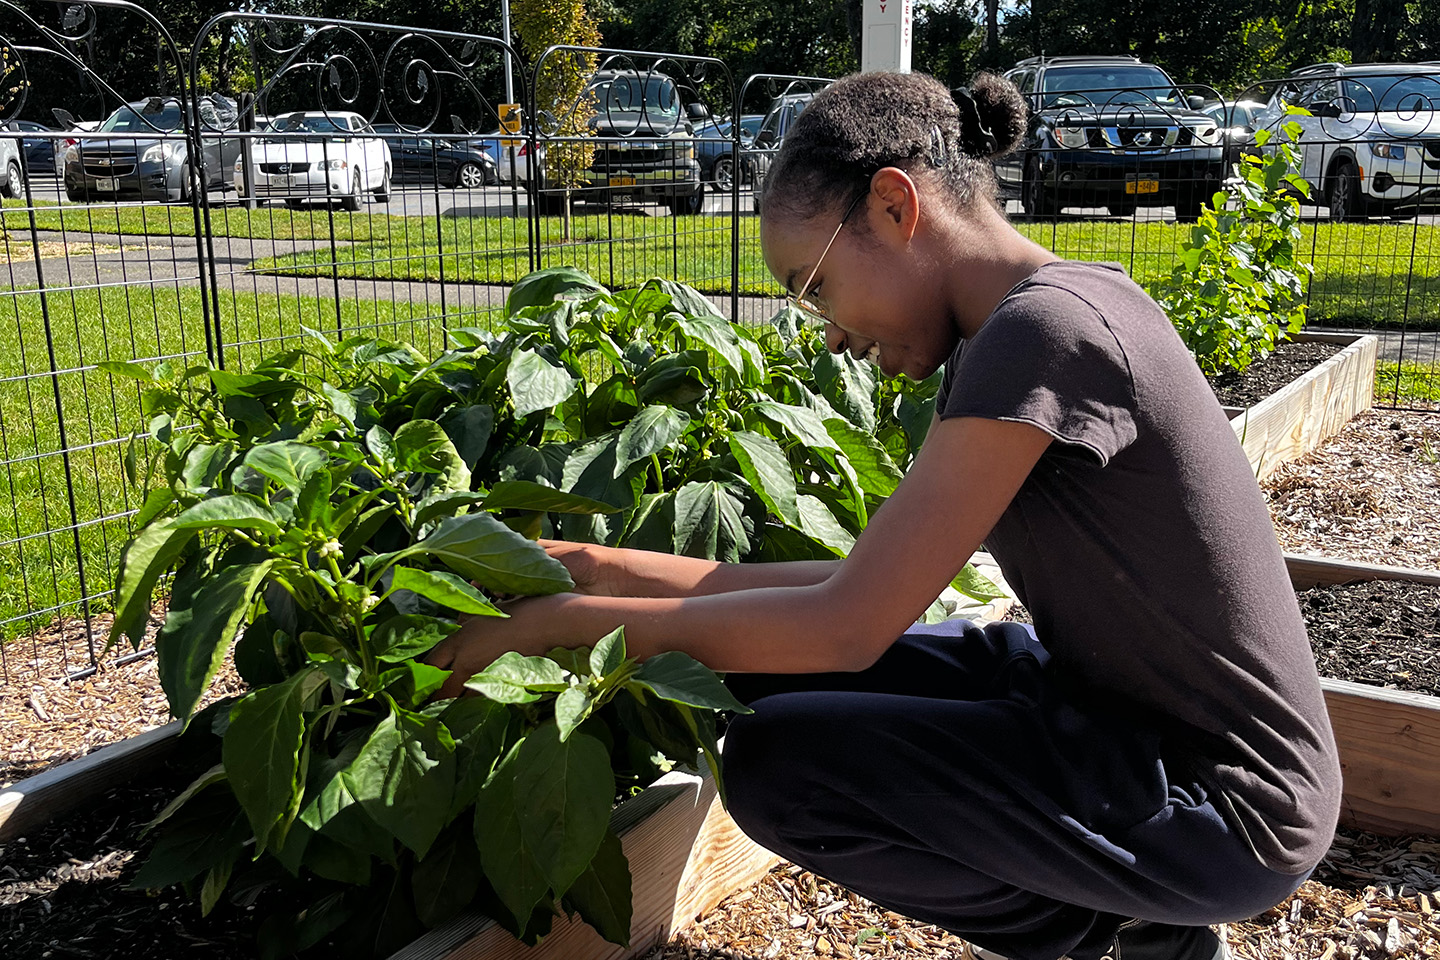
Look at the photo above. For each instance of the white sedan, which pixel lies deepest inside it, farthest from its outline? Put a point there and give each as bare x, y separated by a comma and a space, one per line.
318, 155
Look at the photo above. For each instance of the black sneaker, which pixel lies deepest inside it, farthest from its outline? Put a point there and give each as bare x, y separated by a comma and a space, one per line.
1143, 940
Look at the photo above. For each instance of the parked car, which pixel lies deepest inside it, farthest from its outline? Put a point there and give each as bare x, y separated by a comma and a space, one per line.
146, 154
66, 122
713, 148
423, 159
319, 155
784, 111
39, 151
1110, 132
1371, 142
12, 174
1237, 125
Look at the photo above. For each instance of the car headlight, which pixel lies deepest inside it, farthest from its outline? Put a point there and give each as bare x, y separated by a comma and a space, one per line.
1389, 151
162, 151
1206, 134
334, 164
1072, 137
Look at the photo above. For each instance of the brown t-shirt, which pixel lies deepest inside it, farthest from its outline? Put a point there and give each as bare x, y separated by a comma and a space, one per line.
1143, 549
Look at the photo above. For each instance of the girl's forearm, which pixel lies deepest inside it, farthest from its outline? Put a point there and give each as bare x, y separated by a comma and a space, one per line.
649, 574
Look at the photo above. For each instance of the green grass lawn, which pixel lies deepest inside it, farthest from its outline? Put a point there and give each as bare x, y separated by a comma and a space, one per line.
78, 408
1407, 384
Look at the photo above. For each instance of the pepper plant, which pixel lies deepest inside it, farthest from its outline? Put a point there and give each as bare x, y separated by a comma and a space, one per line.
332, 514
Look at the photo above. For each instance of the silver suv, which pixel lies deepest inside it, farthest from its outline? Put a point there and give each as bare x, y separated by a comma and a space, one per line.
12, 176
1371, 141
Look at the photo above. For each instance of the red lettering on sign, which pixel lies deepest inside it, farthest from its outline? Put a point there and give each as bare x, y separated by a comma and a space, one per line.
882, 8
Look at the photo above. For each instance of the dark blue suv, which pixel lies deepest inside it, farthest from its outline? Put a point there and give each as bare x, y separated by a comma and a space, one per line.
1111, 132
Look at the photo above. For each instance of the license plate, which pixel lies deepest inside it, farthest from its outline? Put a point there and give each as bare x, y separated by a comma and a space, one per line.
620, 180
282, 181
1142, 186
107, 184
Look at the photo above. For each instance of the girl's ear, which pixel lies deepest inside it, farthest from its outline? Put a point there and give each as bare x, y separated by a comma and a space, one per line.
898, 202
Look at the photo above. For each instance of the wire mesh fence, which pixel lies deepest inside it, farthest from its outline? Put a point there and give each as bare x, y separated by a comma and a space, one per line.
372, 179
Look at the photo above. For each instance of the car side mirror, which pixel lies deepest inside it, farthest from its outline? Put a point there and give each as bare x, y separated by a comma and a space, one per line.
697, 112
1195, 101
765, 138
64, 117
1324, 108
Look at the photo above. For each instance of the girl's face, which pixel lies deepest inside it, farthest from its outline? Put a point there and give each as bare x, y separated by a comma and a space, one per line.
880, 291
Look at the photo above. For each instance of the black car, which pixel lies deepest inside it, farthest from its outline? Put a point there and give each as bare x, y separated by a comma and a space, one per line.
141, 151
39, 151
1111, 132
425, 159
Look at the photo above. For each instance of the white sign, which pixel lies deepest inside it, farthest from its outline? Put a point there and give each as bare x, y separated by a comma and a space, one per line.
886, 35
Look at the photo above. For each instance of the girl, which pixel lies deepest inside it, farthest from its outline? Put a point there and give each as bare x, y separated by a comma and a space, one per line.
1155, 755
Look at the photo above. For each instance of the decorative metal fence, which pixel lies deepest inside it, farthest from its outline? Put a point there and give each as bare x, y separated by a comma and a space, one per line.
370, 179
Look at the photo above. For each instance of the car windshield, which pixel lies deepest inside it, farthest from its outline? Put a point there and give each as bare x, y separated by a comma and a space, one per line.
1390, 94
1074, 86
297, 123
128, 119
654, 96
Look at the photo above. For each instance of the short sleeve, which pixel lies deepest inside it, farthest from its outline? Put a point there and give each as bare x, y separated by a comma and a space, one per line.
1048, 358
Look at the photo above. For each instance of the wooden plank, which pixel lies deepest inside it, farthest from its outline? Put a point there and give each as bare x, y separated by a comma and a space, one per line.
1301, 415
686, 855
1314, 571
38, 799
1389, 744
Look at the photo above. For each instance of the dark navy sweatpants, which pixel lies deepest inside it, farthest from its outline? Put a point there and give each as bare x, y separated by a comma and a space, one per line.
961, 782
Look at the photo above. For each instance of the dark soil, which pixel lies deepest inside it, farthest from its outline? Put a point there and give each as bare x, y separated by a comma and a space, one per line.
1289, 361
1383, 632
62, 890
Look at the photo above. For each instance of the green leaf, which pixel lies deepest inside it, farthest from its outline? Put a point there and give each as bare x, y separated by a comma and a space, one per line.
719, 337
236, 511
709, 523
403, 777
261, 753
484, 550
447, 879
287, 462
572, 708
975, 585
609, 653
212, 832
529, 495
505, 853
818, 523
205, 463
312, 507
215, 880
602, 893
408, 635
479, 727
424, 447
802, 423
444, 505
124, 368
207, 608
212, 776
412, 682
877, 473
849, 385
469, 428
763, 463
650, 431
563, 793
151, 553
677, 676
382, 445
536, 383
546, 286
444, 588
686, 299
515, 678
157, 501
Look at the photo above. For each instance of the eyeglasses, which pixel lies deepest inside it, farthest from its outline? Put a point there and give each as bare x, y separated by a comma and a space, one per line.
797, 300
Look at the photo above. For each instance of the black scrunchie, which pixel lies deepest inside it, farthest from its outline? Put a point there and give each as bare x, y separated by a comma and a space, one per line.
976, 138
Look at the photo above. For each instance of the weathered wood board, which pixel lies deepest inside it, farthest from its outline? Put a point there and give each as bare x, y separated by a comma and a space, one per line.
1300, 416
1389, 740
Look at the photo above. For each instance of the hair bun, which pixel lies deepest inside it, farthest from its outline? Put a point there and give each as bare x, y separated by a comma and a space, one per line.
992, 115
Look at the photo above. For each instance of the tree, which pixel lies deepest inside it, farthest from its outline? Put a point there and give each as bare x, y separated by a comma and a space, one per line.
1375, 30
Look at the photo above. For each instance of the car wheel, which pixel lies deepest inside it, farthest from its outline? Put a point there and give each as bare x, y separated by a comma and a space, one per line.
15, 188
1034, 198
723, 173
469, 177
382, 192
1342, 193
351, 201
689, 206
184, 184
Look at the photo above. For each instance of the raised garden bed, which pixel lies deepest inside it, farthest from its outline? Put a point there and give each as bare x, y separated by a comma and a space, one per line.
1301, 415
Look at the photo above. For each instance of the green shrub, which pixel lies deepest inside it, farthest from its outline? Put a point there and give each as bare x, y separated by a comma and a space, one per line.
1238, 288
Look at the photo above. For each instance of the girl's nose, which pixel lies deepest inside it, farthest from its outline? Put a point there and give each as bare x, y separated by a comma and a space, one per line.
834, 338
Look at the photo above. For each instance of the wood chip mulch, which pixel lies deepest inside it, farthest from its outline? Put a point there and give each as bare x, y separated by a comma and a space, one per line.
1371, 493
46, 720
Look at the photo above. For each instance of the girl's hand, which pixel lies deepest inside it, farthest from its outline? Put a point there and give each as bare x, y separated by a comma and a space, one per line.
481, 640
594, 568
